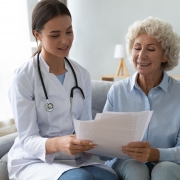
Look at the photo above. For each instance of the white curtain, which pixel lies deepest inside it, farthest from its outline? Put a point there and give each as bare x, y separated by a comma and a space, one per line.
14, 47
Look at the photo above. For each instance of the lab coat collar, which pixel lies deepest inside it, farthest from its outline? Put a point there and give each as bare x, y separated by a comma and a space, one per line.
46, 65
41, 59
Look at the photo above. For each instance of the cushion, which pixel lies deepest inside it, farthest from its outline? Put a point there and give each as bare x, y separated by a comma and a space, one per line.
6, 143
3, 168
99, 95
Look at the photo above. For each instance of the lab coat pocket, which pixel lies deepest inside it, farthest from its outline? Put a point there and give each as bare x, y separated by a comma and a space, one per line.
77, 104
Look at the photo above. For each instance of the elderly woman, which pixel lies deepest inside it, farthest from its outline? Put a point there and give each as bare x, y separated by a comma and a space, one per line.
154, 49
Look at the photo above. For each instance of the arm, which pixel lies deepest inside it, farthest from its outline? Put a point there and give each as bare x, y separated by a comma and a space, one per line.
21, 96
141, 151
24, 109
171, 154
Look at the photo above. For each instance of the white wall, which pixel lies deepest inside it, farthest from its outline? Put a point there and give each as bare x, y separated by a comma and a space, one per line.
101, 24
14, 47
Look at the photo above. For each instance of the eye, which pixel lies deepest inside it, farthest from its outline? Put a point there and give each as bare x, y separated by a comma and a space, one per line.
55, 36
151, 49
68, 32
137, 48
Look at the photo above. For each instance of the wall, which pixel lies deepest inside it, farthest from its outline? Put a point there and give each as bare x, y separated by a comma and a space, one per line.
14, 47
101, 24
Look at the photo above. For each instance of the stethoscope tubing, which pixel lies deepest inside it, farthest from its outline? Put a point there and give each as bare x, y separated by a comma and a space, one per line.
50, 105
42, 82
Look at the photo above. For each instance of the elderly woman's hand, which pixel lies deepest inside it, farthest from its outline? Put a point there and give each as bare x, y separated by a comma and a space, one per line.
141, 151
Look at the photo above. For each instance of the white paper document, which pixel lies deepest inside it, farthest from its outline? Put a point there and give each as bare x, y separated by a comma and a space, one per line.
112, 130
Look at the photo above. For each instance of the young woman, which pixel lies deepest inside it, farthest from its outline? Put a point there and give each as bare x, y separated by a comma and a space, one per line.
46, 93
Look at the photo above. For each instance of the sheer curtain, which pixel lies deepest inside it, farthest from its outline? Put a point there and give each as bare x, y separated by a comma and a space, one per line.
14, 47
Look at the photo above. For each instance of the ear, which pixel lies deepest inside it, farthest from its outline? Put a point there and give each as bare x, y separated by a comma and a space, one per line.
37, 35
163, 59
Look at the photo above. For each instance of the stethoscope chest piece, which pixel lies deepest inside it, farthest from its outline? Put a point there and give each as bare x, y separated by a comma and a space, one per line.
49, 107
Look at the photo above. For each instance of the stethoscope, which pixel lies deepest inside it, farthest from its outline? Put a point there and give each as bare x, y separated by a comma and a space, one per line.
49, 106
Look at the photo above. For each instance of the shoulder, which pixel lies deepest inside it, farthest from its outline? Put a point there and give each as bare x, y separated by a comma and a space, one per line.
24, 71
174, 84
122, 85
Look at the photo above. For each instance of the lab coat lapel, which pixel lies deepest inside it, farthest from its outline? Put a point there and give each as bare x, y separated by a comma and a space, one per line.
54, 85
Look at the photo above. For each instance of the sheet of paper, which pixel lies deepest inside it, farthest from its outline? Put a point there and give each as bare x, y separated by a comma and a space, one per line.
112, 131
98, 116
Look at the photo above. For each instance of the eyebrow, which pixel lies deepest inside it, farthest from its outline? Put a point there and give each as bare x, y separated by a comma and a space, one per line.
147, 44
59, 31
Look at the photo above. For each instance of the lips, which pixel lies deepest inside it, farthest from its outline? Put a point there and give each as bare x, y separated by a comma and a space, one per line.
63, 48
143, 64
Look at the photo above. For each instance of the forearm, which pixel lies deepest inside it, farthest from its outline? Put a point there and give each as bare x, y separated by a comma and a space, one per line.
170, 154
154, 155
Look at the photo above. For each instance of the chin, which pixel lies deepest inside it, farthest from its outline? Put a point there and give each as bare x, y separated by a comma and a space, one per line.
144, 73
62, 54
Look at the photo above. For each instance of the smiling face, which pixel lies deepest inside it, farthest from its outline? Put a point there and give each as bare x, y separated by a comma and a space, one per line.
147, 55
56, 37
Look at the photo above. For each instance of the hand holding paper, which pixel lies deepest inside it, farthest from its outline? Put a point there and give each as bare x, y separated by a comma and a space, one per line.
112, 131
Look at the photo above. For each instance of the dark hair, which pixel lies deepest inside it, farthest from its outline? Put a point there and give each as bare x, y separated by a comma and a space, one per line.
43, 12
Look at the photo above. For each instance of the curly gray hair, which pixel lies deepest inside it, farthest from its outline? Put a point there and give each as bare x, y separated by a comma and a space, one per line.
163, 33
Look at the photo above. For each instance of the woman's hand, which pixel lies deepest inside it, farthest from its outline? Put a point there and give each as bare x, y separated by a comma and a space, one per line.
68, 144
141, 151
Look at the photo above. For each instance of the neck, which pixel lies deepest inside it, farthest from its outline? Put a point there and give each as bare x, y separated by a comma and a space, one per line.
148, 82
56, 64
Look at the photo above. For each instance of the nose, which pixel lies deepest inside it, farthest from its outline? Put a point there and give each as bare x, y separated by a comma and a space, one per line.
142, 54
64, 39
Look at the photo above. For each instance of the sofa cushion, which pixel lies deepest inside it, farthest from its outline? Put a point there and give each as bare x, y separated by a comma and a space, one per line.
6, 142
99, 95
3, 168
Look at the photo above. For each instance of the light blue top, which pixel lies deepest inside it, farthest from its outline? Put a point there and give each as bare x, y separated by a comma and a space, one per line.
163, 131
61, 78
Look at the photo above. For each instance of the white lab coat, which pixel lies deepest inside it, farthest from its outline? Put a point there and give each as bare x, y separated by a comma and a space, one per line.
27, 159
